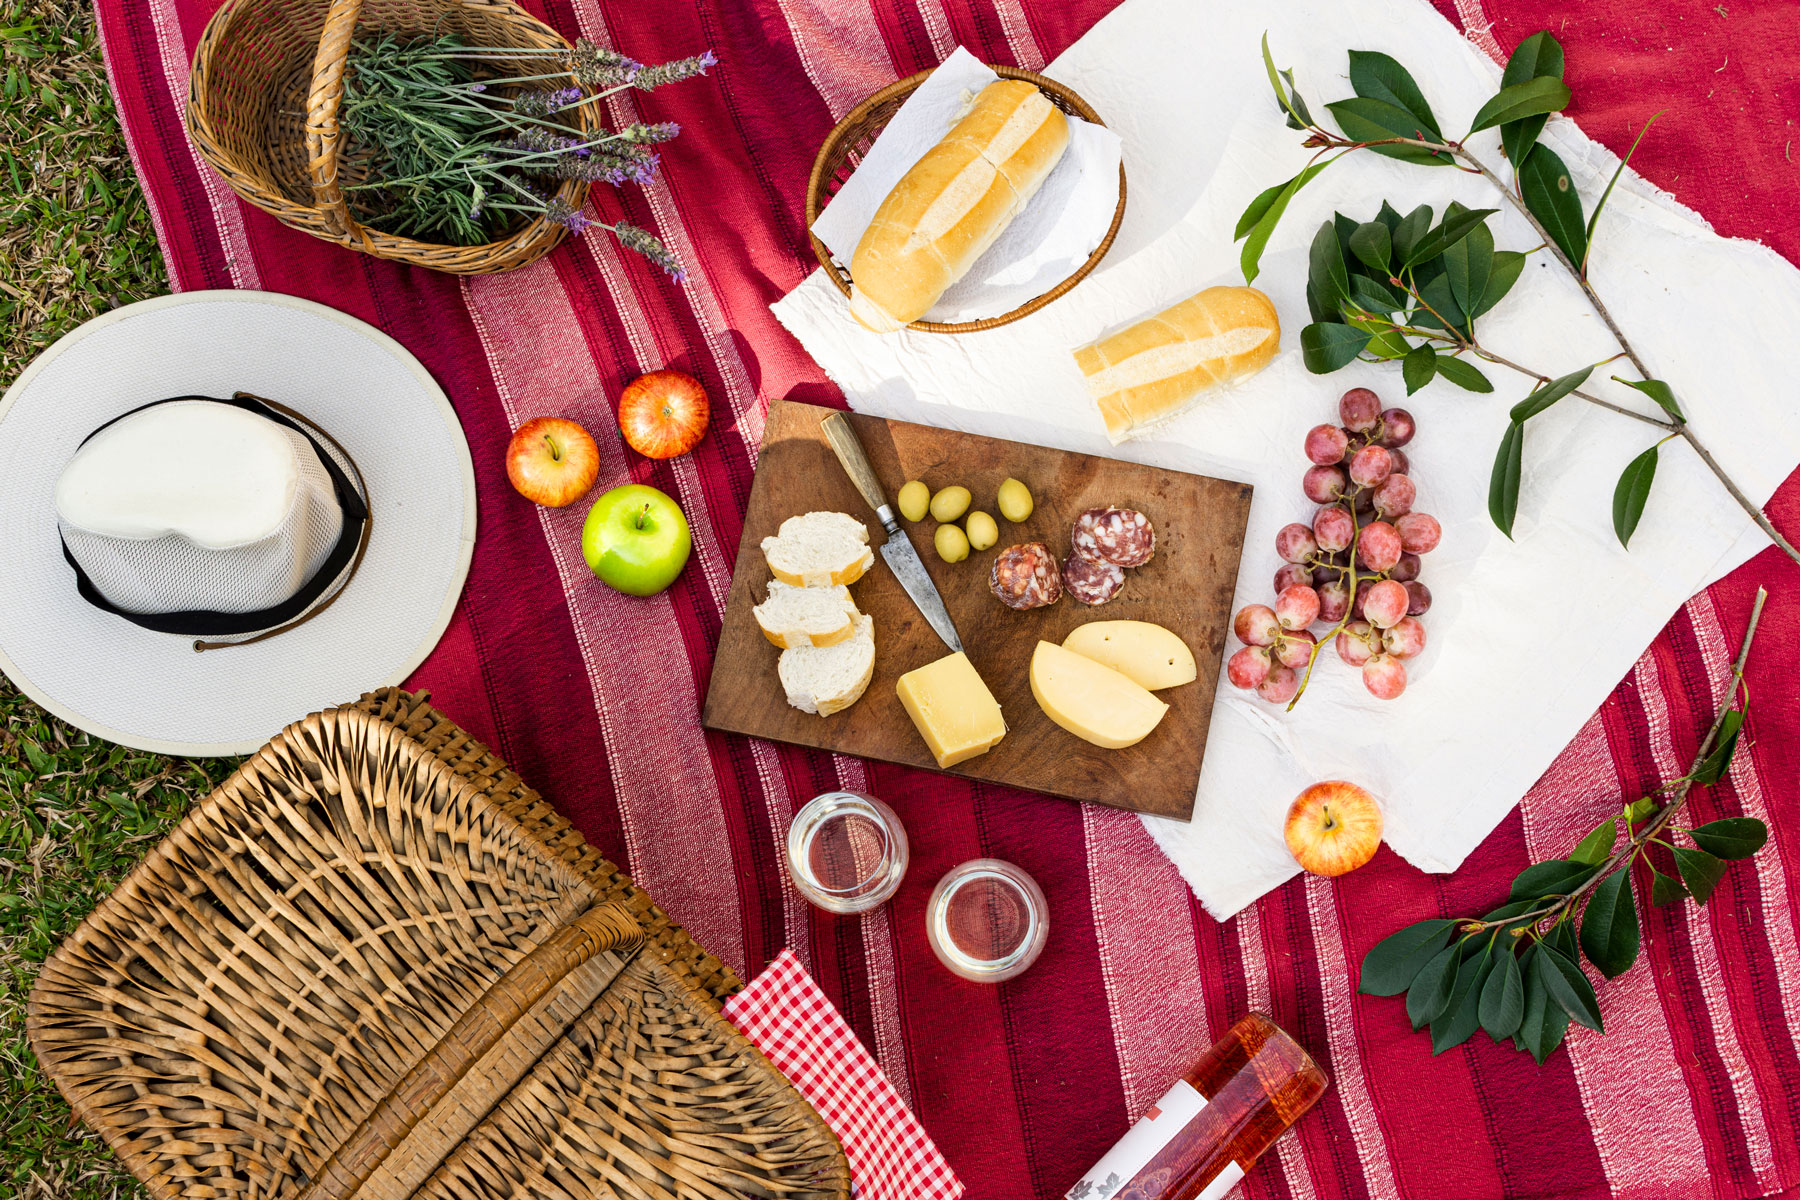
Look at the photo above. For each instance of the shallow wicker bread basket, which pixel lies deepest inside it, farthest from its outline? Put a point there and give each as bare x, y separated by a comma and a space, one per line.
847, 143
374, 964
263, 103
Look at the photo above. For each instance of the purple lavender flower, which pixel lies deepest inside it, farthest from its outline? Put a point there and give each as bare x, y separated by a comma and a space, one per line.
567, 215
642, 134
645, 243
595, 67
538, 140
539, 102
650, 78
478, 87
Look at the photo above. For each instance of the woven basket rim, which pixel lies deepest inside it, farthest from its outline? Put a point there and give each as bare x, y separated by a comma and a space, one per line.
832, 152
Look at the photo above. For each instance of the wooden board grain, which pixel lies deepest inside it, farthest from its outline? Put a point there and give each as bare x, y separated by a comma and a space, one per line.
1187, 588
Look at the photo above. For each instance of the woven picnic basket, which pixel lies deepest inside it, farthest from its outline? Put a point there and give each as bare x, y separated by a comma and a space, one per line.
263, 101
374, 964
849, 141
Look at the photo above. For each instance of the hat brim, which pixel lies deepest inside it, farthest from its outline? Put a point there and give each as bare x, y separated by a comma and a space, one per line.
151, 690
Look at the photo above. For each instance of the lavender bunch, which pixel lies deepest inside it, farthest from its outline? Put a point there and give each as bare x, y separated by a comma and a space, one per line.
454, 153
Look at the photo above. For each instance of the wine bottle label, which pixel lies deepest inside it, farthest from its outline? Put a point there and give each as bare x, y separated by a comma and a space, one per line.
1143, 1164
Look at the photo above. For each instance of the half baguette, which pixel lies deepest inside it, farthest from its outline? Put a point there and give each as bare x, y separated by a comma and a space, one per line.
1160, 367
819, 549
951, 205
829, 679
806, 616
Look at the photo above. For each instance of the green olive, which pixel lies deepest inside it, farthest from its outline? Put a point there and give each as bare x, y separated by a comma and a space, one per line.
952, 544
982, 530
915, 499
1014, 501
950, 503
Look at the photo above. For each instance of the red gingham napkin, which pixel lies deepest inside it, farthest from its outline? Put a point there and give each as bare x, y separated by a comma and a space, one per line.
783, 1012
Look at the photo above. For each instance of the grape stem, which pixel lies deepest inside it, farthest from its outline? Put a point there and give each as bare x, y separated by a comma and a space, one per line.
1547, 918
1325, 139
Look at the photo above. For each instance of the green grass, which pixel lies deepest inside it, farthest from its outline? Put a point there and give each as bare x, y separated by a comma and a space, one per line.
75, 812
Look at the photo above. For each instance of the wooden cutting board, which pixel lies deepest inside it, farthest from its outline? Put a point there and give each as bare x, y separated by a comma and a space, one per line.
1186, 588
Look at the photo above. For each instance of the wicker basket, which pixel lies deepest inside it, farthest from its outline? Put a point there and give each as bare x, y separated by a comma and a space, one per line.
262, 110
373, 964
850, 140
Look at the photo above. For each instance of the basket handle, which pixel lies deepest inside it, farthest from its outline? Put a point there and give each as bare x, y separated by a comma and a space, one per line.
480, 1059
322, 99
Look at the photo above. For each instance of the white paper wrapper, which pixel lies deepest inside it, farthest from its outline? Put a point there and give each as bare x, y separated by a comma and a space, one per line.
1043, 246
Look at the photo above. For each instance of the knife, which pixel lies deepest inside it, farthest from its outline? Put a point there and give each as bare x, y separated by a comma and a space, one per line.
898, 551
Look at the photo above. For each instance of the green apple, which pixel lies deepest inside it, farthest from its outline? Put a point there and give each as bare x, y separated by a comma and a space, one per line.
636, 539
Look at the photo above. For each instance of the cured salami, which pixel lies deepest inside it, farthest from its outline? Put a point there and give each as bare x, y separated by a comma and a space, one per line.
1120, 536
1025, 576
1090, 580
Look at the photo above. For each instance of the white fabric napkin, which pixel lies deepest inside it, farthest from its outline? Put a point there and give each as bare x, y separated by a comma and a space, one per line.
1527, 637
1043, 246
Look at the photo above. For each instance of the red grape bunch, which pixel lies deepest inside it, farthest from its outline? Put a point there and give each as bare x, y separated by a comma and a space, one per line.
1355, 568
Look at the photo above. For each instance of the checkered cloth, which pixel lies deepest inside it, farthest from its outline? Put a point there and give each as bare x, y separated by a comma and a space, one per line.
789, 1019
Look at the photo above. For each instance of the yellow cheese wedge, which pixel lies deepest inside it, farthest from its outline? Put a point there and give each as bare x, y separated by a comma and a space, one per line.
1092, 701
956, 714
1145, 653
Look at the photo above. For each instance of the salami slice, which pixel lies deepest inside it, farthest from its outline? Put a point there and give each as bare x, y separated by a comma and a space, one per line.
1025, 576
1090, 580
1121, 536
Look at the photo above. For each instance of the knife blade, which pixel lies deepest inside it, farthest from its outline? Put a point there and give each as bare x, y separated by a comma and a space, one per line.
898, 552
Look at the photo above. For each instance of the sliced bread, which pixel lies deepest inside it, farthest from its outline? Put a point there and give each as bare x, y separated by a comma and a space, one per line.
806, 616
829, 679
819, 549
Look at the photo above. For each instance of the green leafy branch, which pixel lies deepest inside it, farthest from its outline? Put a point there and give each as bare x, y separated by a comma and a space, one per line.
1399, 288
1515, 972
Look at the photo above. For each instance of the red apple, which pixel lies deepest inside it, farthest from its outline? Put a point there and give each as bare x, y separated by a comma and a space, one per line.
1333, 827
663, 414
552, 461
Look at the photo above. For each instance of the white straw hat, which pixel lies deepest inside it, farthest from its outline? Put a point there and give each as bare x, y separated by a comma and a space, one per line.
381, 443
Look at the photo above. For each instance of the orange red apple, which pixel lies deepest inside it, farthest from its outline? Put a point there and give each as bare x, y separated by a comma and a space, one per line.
552, 461
1333, 827
663, 414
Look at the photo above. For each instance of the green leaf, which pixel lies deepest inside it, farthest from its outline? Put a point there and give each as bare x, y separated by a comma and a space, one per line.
1502, 274
1713, 767
1266, 199
1299, 105
1420, 365
1551, 1031
1547, 394
1594, 219
1700, 871
1533, 98
1468, 263
1379, 77
1562, 937
1665, 889
1630, 493
1430, 992
1412, 227
1384, 342
1609, 926
1462, 1015
1366, 120
1325, 265
1373, 296
1281, 95
1503, 997
1733, 837
1555, 877
1257, 236
1538, 55
1658, 391
1388, 968
1550, 194
1597, 846
1444, 312
1637, 810
1373, 244
1389, 216
1453, 229
1462, 374
1568, 985
1503, 482
1325, 348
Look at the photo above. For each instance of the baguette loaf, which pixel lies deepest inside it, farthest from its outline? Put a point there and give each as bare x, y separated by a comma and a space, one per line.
827, 680
806, 616
953, 203
1159, 367
819, 549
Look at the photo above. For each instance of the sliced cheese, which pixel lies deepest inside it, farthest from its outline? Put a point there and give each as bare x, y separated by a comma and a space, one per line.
1091, 701
955, 713
1145, 653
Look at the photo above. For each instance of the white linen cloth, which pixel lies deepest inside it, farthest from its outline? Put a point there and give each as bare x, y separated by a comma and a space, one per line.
1527, 637
1043, 246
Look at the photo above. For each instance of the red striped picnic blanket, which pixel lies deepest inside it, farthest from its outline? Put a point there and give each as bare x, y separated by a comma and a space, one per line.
594, 696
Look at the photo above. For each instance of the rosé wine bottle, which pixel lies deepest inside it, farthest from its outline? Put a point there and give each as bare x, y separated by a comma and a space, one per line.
1219, 1118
